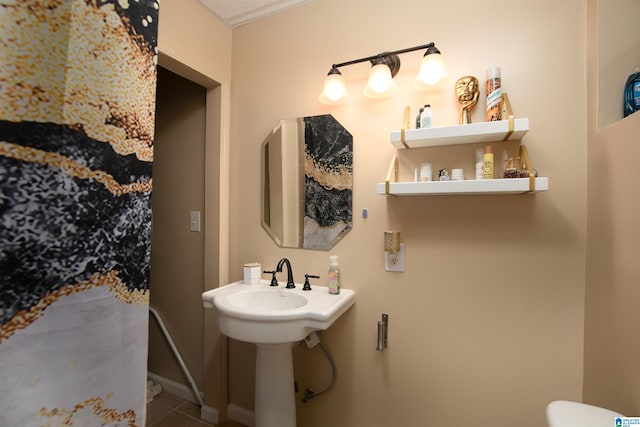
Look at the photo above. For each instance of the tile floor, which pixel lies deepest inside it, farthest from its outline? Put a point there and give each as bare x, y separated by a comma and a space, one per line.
167, 410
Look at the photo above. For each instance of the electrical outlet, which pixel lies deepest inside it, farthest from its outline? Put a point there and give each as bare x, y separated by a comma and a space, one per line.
312, 340
394, 262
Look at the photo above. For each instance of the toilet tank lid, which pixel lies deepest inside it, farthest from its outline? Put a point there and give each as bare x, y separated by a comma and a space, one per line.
563, 413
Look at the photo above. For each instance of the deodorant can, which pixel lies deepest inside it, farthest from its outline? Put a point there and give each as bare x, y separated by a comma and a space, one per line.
494, 94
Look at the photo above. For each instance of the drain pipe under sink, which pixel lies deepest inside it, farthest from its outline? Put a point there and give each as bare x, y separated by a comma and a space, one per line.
166, 334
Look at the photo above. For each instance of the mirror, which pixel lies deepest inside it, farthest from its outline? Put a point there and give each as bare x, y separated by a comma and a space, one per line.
307, 182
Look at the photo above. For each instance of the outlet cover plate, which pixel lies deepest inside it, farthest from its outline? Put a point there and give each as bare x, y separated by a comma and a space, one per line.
394, 262
194, 221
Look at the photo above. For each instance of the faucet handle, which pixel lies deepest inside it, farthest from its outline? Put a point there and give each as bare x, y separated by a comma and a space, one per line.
307, 285
274, 281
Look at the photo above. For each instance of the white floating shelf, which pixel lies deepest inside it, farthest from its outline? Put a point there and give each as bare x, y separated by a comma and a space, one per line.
481, 186
461, 134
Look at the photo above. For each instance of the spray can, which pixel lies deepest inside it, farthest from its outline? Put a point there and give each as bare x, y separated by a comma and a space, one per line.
494, 94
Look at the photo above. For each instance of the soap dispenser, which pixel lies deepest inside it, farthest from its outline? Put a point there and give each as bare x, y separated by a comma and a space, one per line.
334, 275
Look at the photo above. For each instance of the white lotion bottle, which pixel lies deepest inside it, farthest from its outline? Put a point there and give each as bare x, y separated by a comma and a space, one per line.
334, 275
479, 154
426, 117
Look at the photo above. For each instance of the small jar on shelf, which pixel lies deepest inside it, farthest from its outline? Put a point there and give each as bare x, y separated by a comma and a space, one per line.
510, 169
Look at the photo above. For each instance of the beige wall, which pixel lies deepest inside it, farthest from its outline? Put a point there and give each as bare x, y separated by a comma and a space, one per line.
177, 262
487, 321
612, 344
195, 44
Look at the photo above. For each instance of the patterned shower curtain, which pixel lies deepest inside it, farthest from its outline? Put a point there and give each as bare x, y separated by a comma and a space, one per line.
77, 110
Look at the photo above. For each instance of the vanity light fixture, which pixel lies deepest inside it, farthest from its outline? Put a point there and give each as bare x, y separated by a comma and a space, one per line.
384, 66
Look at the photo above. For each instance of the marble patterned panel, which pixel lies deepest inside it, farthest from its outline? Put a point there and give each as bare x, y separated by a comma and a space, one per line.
77, 111
328, 183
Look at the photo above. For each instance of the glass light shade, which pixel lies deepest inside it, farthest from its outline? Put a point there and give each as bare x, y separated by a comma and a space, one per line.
431, 71
334, 89
380, 83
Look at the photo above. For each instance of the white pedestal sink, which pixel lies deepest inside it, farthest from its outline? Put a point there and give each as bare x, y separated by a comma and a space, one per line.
273, 318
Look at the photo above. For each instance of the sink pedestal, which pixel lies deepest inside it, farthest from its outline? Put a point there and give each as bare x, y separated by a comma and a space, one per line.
275, 404
275, 319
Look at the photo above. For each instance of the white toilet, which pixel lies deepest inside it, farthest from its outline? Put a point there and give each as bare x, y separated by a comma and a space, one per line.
562, 413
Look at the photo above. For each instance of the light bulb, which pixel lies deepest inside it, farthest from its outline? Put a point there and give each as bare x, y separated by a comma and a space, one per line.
334, 88
380, 83
380, 78
431, 71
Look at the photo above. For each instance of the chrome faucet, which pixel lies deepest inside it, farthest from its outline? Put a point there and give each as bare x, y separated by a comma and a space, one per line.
290, 283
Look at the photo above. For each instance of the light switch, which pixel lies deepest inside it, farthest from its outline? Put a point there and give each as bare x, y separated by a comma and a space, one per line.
194, 221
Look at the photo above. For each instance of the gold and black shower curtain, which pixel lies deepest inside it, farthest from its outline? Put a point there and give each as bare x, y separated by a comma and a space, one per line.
77, 109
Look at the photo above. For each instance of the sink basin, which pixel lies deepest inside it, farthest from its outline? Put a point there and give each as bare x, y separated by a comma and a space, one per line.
273, 318
271, 315
562, 413
266, 301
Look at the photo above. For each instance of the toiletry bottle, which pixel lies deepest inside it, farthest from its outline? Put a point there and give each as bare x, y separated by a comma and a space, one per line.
494, 94
632, 93
425, 117
479, 153
457, 174
418, 117
334, 275
487, 163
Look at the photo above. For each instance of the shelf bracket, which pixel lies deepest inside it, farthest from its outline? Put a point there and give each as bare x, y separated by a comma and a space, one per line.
406, 124
524, 158
392, 174
507, 114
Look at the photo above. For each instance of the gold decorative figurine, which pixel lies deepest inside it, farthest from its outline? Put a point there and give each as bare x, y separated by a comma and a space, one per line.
468, 92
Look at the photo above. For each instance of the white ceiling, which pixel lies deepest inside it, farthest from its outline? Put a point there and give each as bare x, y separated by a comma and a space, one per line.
237, 12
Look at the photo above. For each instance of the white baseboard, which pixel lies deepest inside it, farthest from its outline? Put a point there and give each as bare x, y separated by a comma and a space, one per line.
240, 415
209, 414
175, 388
